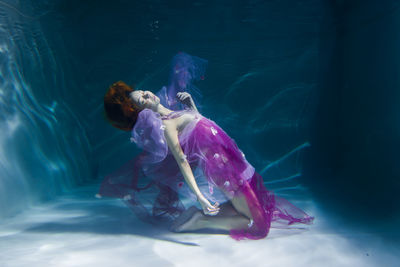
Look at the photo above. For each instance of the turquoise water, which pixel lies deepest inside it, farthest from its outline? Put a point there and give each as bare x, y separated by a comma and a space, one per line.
58, 61
308, 90
44, 148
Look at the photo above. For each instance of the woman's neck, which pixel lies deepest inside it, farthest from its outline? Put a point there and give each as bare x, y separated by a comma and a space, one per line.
163, 111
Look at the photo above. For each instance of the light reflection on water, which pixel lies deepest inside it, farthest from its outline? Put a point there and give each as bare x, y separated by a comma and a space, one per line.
36, 159
49, 141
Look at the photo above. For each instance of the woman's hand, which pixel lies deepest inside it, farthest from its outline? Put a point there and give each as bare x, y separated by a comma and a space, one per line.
186, 99
208, 209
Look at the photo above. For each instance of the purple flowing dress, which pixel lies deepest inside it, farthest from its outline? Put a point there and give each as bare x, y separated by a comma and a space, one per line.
218, 165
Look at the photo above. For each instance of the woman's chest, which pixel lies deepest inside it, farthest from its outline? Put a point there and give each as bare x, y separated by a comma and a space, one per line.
180, 123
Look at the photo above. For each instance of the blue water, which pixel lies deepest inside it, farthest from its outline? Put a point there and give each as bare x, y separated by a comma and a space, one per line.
308, 89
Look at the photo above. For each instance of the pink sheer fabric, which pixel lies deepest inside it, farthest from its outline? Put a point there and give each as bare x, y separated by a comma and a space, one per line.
215, 159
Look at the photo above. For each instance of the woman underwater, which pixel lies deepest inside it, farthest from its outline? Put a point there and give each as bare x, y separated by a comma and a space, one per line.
185, 153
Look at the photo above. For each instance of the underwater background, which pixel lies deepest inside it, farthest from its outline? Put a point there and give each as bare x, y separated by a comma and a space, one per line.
309, 90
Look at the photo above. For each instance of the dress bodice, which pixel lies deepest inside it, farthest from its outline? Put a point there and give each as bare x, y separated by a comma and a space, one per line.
185, 119
177, 113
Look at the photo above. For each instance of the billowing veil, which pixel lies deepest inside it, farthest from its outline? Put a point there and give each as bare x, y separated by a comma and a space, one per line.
185, 69
149, 183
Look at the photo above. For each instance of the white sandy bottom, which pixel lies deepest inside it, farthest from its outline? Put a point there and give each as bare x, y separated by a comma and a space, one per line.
79, 230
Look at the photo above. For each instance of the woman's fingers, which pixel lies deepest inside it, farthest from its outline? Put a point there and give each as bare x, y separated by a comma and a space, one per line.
208, 208
215, 206
213, 210
182, 95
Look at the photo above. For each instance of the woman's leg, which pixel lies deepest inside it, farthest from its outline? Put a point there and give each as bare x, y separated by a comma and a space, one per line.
233, 215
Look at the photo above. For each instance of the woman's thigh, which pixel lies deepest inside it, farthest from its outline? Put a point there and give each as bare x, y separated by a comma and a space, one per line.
239, 203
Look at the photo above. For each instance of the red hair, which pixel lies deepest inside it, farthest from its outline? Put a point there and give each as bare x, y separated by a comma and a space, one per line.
119, 108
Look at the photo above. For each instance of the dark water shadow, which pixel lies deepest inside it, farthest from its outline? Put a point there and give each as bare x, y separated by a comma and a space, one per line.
86, 214
274, 232
100, 217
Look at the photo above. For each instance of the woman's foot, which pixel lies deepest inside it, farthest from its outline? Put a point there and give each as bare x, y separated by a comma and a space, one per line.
185, 220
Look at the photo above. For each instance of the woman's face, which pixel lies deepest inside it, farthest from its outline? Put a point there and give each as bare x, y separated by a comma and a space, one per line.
145, 99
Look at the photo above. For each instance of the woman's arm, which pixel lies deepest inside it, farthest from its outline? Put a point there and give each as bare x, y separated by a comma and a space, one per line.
186, 98
171, 135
